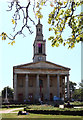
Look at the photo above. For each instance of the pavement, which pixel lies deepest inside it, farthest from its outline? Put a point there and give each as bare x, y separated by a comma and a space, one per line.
10, 110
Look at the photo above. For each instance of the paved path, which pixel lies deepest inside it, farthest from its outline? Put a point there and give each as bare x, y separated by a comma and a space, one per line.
10, 110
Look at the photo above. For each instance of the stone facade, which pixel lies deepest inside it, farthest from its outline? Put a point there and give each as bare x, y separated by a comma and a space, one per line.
41, 78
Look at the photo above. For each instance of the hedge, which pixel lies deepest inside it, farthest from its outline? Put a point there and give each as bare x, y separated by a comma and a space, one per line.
56, 112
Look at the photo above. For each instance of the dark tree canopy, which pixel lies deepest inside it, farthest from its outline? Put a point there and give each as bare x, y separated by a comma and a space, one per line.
9, 92
78, 93
72, 88
62, 16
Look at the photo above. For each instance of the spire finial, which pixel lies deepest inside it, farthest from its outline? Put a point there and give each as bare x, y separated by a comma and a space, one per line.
39, 21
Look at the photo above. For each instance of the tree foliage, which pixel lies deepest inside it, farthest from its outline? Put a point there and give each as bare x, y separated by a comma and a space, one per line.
72, 88
63, 15
9, 92
78, 93
81, 89
81, 85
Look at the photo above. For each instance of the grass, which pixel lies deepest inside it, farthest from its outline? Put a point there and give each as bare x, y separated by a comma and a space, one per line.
14, 115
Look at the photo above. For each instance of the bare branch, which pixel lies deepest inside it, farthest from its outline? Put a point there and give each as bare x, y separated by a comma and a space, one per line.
17, 17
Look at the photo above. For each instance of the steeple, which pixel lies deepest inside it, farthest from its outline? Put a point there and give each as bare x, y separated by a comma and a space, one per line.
39, 21
39, 34
39, 44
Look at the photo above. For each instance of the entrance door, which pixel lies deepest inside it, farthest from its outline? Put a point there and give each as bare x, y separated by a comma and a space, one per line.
51, 96
42, 97
20, 97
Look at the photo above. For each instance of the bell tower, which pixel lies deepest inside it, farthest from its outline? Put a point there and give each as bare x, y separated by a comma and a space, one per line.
39, 46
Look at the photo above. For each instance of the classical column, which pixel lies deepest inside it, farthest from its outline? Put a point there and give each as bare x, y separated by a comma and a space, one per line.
63, 88
68, 86
58, 85
26, 87
48, 87
15, 86
37, 87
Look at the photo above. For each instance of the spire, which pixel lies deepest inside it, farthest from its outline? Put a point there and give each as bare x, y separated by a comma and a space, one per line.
39, 44
39, 21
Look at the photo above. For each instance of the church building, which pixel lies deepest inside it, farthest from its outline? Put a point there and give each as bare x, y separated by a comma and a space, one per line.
40, 78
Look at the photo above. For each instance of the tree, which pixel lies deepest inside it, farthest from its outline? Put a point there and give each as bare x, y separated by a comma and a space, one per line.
78, 93
81, 89
63, 15
81, 84
9, 92
72, 87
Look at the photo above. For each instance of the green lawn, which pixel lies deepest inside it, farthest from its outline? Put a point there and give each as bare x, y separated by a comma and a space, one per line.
37, 116
14, 116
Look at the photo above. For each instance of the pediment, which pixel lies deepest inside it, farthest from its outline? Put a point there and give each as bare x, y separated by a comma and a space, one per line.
42, 65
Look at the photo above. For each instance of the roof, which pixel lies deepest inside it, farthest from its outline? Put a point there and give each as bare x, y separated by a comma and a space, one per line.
42, 65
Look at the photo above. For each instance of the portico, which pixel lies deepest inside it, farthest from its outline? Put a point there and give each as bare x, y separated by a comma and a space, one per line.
36, 83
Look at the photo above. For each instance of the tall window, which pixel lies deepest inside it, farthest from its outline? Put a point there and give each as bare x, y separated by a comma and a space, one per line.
39, 48
20, 82
30, 83
40, 83
51, 82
